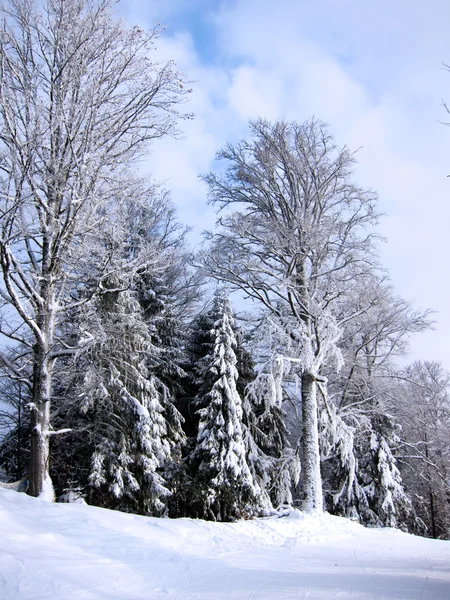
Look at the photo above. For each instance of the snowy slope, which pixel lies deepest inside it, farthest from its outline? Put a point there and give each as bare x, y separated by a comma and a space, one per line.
70, 551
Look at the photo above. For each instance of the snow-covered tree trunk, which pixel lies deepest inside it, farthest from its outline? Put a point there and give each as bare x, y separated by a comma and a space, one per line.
311, 478
38, 474
39, 481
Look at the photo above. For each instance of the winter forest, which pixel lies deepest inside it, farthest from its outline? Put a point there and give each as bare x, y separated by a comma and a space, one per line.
267, 368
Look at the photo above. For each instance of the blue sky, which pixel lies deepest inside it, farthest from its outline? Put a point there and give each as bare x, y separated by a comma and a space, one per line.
372, 70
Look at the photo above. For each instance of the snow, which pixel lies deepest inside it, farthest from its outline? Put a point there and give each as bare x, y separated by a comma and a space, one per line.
57, 551
48, 493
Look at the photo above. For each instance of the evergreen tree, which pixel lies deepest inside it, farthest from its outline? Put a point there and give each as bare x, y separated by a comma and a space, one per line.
130, 433
359, 432
277, 464
14, 427
126, 427
220, 458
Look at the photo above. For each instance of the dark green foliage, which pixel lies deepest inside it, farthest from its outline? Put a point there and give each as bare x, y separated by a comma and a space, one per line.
15, 428
220, 463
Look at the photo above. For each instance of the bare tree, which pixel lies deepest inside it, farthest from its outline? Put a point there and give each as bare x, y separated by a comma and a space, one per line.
293, 237
422, 406
79, 99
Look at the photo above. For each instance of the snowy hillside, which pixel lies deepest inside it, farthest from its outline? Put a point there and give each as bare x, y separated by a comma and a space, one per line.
60, 551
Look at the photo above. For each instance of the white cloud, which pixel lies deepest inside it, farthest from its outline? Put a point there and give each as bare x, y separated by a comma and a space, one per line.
373, 71
253, 93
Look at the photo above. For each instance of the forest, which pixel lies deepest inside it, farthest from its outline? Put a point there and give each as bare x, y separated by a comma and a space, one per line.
267, 369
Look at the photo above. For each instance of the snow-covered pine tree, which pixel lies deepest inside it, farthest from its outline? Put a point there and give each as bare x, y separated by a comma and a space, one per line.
388, 504
128, 358
166, 296
361, 475
130, 434
358, 430
277, 465
220, 458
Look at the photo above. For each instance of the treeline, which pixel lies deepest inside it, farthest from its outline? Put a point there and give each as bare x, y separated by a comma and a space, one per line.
121, 383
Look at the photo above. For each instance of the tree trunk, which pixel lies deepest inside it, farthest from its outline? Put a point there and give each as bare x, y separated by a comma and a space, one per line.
432, 515
38, 473
40, 422
310, 458
430, 492
19, 433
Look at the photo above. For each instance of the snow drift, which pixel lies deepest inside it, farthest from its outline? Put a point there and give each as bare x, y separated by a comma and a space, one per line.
61, 551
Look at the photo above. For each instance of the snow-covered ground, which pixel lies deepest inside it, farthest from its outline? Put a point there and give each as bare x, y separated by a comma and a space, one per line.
73, 552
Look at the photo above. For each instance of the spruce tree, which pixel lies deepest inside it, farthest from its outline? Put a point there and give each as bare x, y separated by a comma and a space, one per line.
126, 429
220, 458
131, 437
277, 463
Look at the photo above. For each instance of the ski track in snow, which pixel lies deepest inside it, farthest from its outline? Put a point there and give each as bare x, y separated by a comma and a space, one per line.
71, 551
